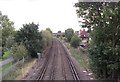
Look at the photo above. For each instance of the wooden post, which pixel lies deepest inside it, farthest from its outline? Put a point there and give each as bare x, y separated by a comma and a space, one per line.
38, 55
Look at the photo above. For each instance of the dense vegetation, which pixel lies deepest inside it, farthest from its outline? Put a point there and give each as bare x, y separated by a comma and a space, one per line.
27, 41
69, 34
72, 38
103, 21
75, 41
46, 38
30, 37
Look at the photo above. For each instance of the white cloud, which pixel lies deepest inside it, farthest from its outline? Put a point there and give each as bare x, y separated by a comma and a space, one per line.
56, 14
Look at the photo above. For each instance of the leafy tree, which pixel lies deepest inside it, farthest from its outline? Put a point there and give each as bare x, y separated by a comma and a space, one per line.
7, 29
30, 37
44, 43
0, 30
75, 41
0, 18
49, 30
46, 38
69, 34
103, 21
18, 51
9, 42
59, 31
0, 37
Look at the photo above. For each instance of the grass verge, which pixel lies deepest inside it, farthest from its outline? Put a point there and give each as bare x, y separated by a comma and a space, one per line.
80, 55
5, 67
21, 70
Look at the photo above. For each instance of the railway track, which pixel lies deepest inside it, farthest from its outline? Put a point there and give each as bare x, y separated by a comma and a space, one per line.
64, 55
54, 62
71, 65
63, 66
45, 65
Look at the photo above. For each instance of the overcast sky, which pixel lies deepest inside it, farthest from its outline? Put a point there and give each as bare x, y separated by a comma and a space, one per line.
56, 14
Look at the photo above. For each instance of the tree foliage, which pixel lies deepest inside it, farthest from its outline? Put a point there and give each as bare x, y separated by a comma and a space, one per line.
0, 30
103, 20
75, 41
49, 30
18, 51
26, 41
69, 34
9, 46
0, 37
9, 42
46, 38
31, 37
7, 28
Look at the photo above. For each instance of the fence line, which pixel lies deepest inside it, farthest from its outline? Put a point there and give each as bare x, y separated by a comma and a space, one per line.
6, 61
13, 67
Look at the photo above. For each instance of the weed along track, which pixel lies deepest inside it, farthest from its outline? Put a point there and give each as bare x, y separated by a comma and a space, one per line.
57, 65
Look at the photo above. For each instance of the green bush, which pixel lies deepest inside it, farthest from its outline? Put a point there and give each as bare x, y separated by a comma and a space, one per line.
6, 54
18, 51
30, 36
75, 41
103, 22
69, 34
9, 42
46, 38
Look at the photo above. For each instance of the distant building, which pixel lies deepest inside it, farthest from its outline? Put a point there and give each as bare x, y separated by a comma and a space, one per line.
84, 35
59, 34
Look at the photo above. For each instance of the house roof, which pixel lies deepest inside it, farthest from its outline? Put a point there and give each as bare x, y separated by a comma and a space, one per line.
84, 34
